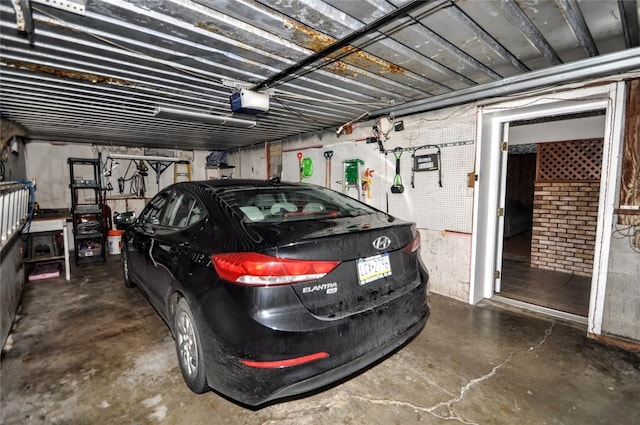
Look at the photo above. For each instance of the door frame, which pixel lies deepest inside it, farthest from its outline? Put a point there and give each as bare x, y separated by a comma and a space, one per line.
502, 197
487, 230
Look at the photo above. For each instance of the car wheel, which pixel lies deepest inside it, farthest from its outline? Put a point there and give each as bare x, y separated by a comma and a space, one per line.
189, 348
125, 270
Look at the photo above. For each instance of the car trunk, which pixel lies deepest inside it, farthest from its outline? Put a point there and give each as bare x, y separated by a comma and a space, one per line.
366, 277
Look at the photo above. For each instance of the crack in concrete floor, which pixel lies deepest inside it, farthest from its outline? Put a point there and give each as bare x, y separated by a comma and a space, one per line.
451, 414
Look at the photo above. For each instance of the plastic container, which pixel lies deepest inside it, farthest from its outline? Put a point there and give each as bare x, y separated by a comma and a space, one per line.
114, 239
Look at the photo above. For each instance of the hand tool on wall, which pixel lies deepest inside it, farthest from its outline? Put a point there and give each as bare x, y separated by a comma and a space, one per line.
429, 162
397, 180
299, 155
367, 180
351, 178
307, 167
327, 178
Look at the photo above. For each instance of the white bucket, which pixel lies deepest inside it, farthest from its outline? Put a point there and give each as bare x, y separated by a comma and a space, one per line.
114, 239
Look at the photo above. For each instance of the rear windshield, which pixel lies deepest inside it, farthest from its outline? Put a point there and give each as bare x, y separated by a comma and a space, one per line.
285, 203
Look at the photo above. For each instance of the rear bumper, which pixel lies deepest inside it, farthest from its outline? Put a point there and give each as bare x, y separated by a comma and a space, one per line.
347, 369
352, 343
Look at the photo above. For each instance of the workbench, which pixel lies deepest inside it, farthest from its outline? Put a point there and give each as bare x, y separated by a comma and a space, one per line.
52, 221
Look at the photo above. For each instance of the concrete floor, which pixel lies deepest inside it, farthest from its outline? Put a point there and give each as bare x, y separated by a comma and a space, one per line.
90, 351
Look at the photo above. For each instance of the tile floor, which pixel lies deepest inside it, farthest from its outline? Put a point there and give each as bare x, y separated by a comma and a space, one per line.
559, 291
564, 292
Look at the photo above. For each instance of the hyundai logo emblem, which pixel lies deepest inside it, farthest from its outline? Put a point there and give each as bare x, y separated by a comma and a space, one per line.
381, 243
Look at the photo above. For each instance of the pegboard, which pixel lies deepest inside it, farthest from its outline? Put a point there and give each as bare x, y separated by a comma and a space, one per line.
372, 159
433, 207
449, 207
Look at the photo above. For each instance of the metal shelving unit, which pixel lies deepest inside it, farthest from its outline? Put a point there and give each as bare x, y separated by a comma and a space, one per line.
87, 210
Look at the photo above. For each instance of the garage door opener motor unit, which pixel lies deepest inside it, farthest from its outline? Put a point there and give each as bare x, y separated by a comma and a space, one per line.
249, 102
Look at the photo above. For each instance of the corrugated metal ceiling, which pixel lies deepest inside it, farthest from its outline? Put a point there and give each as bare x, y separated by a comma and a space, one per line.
96, 70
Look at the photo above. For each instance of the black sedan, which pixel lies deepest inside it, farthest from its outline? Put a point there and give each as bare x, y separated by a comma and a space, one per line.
274, 289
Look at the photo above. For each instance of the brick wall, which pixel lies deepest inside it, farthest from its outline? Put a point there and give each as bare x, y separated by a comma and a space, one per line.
564, 226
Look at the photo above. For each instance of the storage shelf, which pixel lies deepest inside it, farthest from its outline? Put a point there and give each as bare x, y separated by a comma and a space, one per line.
219, 167
84, 161
92, 235
43, 258
90, 259
85, 186
81, 209
90, 246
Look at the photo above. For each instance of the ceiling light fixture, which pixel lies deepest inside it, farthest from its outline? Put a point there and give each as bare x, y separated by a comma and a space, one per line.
180, 114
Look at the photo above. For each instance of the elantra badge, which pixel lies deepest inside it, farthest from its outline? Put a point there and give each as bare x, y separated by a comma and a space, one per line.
381, 243
329, 288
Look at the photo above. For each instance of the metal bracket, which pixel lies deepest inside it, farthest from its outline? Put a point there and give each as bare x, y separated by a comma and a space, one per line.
73, 6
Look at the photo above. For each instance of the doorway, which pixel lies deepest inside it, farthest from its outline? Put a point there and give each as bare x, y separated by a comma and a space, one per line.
493, 135
550, 219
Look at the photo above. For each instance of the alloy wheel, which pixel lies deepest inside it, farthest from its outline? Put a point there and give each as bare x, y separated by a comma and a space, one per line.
187, 344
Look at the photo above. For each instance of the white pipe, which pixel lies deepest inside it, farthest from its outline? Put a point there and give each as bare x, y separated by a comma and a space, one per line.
599, 66
179, 114
144, 157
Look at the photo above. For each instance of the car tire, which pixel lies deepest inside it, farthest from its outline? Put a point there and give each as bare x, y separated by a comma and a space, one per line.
189, 348
126, 270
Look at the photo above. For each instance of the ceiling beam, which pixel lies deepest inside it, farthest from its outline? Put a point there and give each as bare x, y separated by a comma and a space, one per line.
578, 25
629, 19
522, 22
321, 54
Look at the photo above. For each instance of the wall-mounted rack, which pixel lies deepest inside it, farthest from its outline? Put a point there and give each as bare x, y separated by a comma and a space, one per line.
157, 163
436, 163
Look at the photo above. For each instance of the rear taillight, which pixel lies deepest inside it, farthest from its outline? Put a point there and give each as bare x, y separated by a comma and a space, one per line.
414, 245
252, 268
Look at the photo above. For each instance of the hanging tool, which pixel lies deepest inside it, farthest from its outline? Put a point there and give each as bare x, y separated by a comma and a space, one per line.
307, 167
367, 180
352, 175
299, 155
428, 162
397, 180
327, 176
138, 186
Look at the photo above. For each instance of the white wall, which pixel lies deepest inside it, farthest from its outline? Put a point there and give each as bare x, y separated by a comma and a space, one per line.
447, 257
47, 164
556, 131
249, 163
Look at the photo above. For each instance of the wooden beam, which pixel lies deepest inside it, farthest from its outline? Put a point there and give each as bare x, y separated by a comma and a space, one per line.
630, 177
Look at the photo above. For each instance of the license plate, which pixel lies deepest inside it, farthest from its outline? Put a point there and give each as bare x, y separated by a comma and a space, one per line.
373, 268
